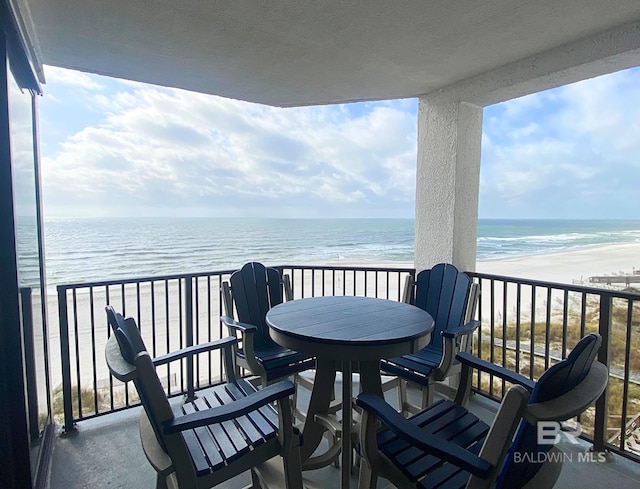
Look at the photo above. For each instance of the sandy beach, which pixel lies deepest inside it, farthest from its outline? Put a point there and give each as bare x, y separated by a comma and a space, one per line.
565, 267
569, 266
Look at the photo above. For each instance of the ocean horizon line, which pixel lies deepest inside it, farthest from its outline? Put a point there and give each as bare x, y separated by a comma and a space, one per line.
287, 218
95, 249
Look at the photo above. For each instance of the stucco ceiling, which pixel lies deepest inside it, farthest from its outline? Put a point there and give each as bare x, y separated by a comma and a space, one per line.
304, 52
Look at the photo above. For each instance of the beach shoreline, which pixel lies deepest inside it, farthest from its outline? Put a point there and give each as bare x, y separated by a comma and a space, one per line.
569, 266
574, 265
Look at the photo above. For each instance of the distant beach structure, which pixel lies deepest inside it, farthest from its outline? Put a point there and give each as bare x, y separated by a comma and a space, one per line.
620, 278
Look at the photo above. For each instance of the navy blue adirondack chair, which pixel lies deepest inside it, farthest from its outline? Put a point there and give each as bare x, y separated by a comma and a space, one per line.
445, 446
450, 297
227, 430
254, 289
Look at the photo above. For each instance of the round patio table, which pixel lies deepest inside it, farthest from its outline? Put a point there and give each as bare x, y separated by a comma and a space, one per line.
347, 334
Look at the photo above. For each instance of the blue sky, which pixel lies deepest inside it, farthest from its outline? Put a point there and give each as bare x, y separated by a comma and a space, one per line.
116, 148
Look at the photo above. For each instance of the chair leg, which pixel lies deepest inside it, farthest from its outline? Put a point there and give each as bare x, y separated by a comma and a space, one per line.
294, 397
427, 396
161, 481
293, 468
406, 407
332, 441
367, 479
402, 396
255, 480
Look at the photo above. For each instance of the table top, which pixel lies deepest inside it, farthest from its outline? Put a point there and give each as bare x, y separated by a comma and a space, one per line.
348, 324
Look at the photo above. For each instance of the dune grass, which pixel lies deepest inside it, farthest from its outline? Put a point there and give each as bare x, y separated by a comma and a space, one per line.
553, 335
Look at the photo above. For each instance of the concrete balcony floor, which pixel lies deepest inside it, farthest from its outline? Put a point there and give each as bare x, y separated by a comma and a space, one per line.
106, 453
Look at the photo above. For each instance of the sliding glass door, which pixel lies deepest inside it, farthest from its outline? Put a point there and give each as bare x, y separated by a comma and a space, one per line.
30, 262
25, 404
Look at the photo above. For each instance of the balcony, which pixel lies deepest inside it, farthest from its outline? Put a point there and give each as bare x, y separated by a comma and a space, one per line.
526, 326
94, 457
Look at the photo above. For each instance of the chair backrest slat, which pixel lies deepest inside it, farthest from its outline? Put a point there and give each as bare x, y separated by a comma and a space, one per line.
443, 292
255, 290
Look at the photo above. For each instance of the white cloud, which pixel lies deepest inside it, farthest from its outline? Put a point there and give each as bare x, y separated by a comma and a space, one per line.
166, 149
569, 152
72, 78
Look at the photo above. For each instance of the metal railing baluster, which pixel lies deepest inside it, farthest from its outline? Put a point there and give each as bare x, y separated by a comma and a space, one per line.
188, 306
602, 404
65, 358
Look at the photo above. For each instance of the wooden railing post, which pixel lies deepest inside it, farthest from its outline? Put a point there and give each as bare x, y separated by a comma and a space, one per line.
602, 404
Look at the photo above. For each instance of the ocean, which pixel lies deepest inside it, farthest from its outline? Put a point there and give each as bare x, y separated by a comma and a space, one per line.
82, 250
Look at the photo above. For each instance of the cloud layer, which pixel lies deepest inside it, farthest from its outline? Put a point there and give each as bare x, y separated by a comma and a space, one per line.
571, 152
155, 151
118, 148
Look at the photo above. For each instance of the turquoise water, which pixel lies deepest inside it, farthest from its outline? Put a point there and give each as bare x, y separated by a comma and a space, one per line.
80, 250
501, 238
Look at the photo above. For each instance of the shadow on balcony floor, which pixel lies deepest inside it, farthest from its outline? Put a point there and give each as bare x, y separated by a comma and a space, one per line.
106, 453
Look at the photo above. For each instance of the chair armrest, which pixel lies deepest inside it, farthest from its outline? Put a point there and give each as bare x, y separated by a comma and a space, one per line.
469, 360
439, 447
232, 410
468, 328
450, 343
225, 343
247, 332
231, 323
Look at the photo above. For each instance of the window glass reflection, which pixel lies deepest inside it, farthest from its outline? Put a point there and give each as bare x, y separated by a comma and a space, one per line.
28, 255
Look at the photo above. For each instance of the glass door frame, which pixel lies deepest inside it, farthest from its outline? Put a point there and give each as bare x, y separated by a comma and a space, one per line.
15, 441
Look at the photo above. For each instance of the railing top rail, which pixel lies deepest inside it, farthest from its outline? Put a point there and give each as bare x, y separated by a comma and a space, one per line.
155, 278
556, 285
502, 278
177, 276
347, 268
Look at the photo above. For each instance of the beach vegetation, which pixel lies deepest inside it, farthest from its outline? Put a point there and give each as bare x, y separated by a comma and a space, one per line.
93, 402
86, 399
522, 342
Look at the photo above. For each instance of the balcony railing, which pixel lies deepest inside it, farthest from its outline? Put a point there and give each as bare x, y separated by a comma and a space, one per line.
526, 326
173, 312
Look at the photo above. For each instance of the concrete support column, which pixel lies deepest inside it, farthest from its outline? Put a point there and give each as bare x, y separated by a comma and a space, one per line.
447, 182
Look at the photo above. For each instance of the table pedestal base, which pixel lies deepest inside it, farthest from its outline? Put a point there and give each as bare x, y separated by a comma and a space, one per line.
318, 420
